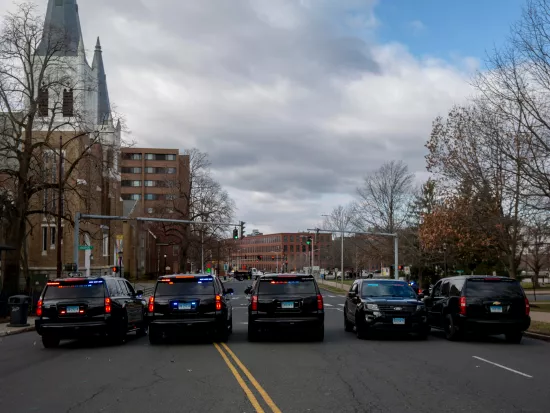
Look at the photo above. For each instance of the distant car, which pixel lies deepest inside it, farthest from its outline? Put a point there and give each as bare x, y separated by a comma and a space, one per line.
479, 304
285, 302
384, 305
190, 304
79, 307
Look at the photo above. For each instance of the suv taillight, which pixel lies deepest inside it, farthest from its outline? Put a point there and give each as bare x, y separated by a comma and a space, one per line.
527, 307
107, 306
254, 303
218, 303
151, 304
319, 302
462, 306
39, 309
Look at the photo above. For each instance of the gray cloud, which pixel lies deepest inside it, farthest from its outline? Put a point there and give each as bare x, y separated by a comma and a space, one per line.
293, 99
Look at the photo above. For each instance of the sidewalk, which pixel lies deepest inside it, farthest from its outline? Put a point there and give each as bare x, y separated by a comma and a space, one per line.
540, 316
8, 331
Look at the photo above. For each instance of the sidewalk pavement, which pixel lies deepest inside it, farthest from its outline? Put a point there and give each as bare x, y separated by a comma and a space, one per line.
540, 316
8, 331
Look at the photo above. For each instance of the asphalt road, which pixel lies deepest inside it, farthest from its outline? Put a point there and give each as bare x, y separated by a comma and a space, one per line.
342, 374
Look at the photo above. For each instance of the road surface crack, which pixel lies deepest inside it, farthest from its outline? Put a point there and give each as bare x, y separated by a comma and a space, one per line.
159, 378
93, 396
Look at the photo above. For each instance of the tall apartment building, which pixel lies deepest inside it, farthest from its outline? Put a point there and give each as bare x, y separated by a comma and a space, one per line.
158, 181
282, 251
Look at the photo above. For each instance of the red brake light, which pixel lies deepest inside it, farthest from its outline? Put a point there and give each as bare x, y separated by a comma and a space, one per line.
319, 302
107, 305
254, 303
527, 307
39, 309
218, 303
151, 304
462, 306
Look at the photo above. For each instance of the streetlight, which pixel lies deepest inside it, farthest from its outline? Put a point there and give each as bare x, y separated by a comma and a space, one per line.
164, 264
445, 258
120, 262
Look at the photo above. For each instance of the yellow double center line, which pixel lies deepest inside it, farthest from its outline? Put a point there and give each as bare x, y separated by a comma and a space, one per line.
251, 379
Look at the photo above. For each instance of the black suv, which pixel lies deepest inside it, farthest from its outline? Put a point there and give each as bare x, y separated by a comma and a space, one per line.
479, 304
190, 303
384, 305
75, 307
286, 301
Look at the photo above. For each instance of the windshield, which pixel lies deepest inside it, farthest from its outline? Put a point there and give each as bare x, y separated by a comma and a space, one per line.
185, 286
287, 287
387, 289
93, 289
493, 288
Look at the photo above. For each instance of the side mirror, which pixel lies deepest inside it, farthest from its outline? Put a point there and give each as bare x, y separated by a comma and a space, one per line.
248, 290
230, 291
139, 292
426, 292
352, 294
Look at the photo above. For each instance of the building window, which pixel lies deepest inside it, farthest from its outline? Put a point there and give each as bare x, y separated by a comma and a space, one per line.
149, 156
150, 170
170, 157
131, 197
44, 239
175, 250
132, 156
159, 157
150, 183
170, 197
291, 238
126, 170
170, 170
43, 101
150, 210
131, 183
105, 244
292, 248
68, 103
52, 237
151, 197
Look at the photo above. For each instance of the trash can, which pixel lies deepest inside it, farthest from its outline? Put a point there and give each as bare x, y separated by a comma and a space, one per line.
19, 308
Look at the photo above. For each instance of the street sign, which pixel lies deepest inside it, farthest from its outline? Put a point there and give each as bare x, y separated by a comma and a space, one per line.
85, 247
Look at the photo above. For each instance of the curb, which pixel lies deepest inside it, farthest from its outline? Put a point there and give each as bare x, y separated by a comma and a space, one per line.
12, 333
537, 336
330, 291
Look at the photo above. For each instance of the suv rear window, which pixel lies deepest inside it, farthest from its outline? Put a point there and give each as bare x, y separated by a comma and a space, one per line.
490, 287
186, 286
283, 286
74, 289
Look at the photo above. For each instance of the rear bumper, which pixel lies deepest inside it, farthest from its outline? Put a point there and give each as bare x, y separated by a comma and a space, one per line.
181, 325
261, 322
481, 326
71, 330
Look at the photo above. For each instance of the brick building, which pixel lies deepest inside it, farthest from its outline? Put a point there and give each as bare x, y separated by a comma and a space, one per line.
283, 251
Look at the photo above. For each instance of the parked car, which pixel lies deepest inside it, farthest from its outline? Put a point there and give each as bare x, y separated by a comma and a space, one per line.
190, 304
80, 307
479, 304
285, 302
384, 305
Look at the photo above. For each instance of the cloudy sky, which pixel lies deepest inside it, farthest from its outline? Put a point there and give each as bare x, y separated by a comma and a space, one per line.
294, 100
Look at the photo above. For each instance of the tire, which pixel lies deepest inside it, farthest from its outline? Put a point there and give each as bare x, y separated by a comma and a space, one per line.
360, 330
253, 334
451, 331
348, 326
118, 336
155, 336
514, 337
142, 330
319, 334
49, 341
223, 335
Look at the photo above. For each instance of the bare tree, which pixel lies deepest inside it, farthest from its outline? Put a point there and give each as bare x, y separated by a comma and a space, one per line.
41, 99
384, 198
197, 198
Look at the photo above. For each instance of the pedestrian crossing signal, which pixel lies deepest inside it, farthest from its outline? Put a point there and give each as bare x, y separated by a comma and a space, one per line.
116, 269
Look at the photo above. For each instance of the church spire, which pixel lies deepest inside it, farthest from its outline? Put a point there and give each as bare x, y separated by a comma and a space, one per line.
62, 29
103, 102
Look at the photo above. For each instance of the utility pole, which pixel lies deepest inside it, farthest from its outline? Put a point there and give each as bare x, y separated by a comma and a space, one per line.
60, 209
342, 259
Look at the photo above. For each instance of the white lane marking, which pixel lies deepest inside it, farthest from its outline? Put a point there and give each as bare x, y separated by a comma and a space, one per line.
341, 305
331, 296
328, 305
244, 322
503, 367
339, 309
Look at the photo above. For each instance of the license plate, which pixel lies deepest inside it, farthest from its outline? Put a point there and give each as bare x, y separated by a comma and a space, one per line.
287, 305
184, 306
399, 321
496, 309
73, 309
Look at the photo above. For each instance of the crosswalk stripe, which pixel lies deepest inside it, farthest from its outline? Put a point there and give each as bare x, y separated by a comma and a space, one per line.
328, 305
341, 305
331, 296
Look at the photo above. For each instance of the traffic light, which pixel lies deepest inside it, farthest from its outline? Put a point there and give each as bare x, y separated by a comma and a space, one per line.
242, 229
308, 241
273, 258
116, 269
235, 233
259, 257
400, 268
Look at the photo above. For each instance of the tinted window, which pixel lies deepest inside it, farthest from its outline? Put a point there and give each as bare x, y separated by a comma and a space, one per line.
456, 288
112, 286
186, 286
93, 289
437, 290
445, 289
130, 288
493, 288
387, 289
123, 288
287, 286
